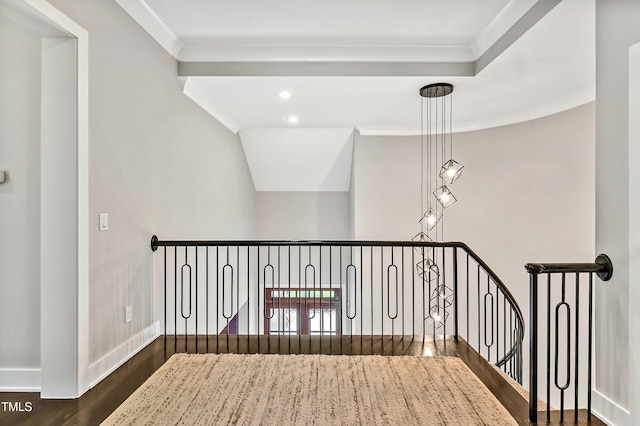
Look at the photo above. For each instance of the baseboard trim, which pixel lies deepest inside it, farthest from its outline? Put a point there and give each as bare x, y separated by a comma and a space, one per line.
114, 359
609, 411
20, 380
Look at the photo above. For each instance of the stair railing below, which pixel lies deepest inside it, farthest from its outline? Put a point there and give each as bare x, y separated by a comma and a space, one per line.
563, 341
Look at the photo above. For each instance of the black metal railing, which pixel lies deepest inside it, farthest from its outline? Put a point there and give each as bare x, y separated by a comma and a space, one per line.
566, 340
338, 288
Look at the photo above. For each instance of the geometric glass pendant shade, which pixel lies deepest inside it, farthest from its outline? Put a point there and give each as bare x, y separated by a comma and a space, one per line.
444, 196
430, 219
442, 296
451, 171
437, 316
421, 251
427, 270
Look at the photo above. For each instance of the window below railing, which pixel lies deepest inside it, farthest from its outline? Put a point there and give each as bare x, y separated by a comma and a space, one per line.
312, 312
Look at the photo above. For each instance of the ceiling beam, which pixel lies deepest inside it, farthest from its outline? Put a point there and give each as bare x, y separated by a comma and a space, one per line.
326, 69
524, 24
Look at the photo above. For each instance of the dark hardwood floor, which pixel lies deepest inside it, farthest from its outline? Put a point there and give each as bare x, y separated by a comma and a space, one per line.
96, 404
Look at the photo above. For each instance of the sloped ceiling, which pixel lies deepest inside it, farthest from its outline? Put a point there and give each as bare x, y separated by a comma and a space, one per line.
358, 65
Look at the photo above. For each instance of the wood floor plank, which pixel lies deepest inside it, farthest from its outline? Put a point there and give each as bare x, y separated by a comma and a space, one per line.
96, 404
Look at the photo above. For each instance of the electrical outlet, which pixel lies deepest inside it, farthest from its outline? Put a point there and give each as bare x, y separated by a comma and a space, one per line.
128, 314
104, 221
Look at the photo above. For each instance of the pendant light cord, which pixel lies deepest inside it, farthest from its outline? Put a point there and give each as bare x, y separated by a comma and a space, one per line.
421, 157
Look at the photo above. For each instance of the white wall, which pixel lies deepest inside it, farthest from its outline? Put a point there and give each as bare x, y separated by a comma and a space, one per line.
303, 215
617, 384
19, 197
527, 193
158, 164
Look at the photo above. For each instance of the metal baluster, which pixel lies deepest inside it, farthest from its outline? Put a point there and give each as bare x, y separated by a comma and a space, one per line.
175, 298
182, 296
413, 296
490, 312
217, 299
403, 293
557, 352
444, 283
381, 296
548, 347
320, 310
344, 302
299, 299
533, 349
165, 294
371, 292
479, 308
395, 313
279, 286
468, 336
206, 311
196, 249
237, 316
424, 299
289, 294
224, 299
575, 402
248, 297
504, 331
361, 297
455, 293
259, 321
433, 323
331, 303
511, 366
589, 353
497, 323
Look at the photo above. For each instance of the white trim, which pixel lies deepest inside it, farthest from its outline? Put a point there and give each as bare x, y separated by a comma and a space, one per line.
114, 359
505, 19
608, 411
57, 17
261, 49
20, 380
634, 226
82, 46
147, 19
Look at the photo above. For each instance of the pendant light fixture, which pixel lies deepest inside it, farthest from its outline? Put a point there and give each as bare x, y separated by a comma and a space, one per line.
438, 169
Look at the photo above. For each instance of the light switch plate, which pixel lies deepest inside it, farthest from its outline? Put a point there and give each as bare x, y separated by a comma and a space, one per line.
104, 221
128, 314
2, 176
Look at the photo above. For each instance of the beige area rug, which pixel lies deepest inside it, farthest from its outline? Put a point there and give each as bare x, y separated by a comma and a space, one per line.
311, 389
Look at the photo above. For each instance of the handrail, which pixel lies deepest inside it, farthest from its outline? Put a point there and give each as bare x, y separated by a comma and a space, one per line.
155, 243
603, 268
492, 276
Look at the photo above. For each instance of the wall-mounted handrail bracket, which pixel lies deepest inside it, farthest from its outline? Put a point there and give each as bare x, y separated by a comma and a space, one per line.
607, 273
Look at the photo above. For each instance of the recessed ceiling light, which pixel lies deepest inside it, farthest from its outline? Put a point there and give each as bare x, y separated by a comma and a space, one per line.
292, 119
284, 94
